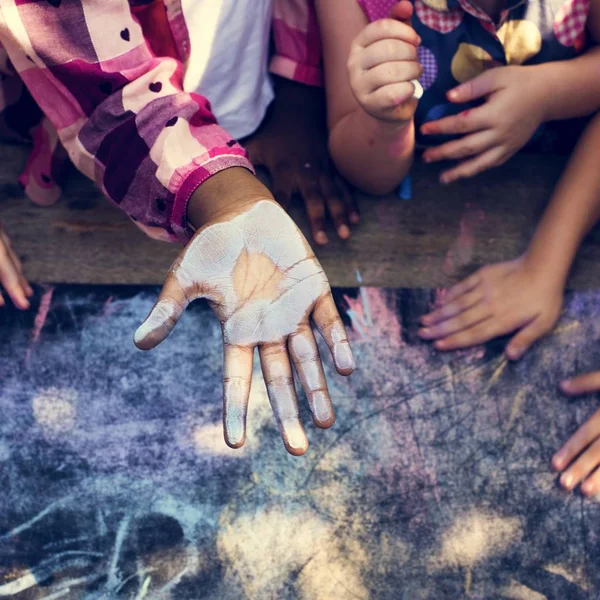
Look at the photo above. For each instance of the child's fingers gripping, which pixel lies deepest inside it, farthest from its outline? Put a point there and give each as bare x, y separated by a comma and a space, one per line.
455, 308
277, 372
584, 384
583, 466
525, 338
390, 97
169, 307
305, 356
391, 73
582, 438
237, 378
462, 322
385, 51
387, 29
330, 325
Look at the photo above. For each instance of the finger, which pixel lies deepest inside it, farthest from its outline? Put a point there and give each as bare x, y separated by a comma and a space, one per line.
391, 96
22, 281
10, 279
402, 11
386, 51
584, 384
469, 145
385, 29
467, 121
470, 168
348, 199
453, 309
582, 438
477, 334
237, 377
163, 317
391, 73
331, 327
453, 294
591, 486
305, 355
336, 207
278, 376
486, 83
523, 340
464, 321
2, 302
315, 206
282, 183
582, 467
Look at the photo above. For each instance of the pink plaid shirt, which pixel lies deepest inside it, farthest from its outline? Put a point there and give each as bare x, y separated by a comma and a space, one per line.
100, 82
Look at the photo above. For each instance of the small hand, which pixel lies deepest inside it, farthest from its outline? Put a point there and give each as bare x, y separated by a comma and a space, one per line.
579, 458
292, 145
11, 274
383, 64
263, 281
496, 300
494, 131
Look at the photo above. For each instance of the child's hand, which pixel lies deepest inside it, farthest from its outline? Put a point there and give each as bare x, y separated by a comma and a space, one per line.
11, 274
383, 63
494, 131
292, 144
497, 300
263, 281
581, 454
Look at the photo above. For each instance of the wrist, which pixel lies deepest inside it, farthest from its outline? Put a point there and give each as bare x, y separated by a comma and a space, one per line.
541, 264
230, 190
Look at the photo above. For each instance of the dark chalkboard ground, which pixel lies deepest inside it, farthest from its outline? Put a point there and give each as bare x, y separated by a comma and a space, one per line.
434, 483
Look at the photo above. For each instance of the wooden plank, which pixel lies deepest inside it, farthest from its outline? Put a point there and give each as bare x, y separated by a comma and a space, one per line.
439, 235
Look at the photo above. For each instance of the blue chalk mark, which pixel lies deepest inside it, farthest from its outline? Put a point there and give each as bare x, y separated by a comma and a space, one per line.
405, 189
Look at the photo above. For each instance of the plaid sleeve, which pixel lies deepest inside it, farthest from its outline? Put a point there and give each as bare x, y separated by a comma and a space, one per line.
119, 110
297, 42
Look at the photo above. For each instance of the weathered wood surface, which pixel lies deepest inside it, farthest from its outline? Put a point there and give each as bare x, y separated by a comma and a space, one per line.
429, 241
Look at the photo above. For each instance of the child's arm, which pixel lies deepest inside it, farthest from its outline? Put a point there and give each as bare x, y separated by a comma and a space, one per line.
370, 113
526, 294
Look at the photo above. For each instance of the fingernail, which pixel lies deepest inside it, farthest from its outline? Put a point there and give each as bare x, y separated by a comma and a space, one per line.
426, 158
566, 386
444, 179
588, 488
343, 356
344, 232
354, 218
453, 94
514, 352
440, 345
566, 481
558, 460
424, 332
295, 437
321, 237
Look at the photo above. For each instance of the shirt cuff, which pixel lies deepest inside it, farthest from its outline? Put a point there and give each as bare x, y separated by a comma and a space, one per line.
179, 222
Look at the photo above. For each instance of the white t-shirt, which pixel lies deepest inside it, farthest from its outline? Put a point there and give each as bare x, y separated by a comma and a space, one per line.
228, 59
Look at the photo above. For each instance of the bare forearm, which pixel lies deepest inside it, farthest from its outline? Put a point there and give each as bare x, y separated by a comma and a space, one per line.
571, 87
573, 210
374, 156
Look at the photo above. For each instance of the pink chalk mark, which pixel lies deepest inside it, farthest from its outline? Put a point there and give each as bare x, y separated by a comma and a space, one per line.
42, 314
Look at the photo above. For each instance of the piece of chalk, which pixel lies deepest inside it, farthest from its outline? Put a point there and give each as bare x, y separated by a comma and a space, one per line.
418, 93
405, 189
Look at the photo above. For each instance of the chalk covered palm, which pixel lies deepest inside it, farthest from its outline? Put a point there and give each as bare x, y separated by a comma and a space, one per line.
263, 281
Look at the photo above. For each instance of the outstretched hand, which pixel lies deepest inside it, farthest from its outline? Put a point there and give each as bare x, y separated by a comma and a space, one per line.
263, 281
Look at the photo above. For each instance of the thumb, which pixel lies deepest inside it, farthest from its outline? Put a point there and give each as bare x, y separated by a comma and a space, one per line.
523, 340
402, 11
482, 85
584, 384
163, 317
